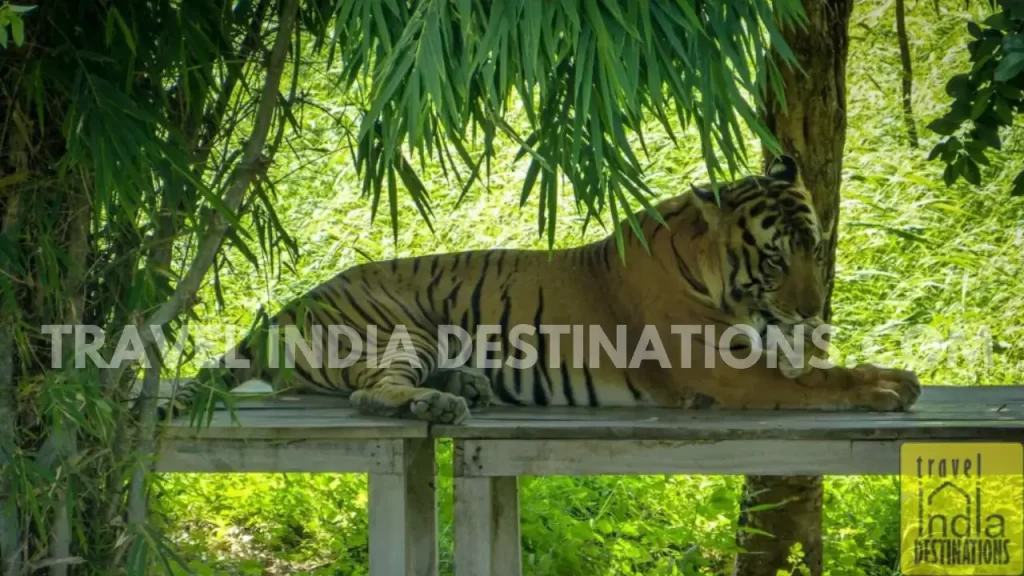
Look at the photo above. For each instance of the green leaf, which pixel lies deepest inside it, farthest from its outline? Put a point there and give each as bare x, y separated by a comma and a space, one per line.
1003, 111
950, 174
1018, 185
989, 135
129, 39
970, 171
18, 30
944, 126
999, 21
981, 102
1009, 92
978, 155
1009, 67
959, 86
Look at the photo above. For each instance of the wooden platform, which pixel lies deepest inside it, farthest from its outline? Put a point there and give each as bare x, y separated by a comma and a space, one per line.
322, 434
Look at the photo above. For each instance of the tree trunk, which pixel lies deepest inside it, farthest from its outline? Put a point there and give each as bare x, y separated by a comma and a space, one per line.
812, 129
908, 73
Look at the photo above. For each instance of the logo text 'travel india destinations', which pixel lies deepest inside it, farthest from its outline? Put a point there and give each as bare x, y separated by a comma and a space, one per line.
962, 509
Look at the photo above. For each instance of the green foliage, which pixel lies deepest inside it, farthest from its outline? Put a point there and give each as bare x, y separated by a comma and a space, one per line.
986, 99
586, 75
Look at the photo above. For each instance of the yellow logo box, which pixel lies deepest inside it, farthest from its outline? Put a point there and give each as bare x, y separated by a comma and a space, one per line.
961, 508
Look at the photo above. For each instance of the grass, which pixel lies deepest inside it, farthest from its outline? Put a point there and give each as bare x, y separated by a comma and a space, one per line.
928, 278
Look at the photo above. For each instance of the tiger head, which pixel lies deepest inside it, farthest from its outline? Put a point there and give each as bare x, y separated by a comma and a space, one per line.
774, 245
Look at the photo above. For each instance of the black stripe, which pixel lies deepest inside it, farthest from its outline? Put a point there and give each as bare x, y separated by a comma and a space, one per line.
501, 259
423, 309
434, 281
591, 392
475, 298
687, 275
408, 311
632, 389
734, 263
503, 394
756, 209
540, 368
306, 375
517, 380
449, 300
503, 323
366, 318
540, 396
570, 398
390, 326
416, 265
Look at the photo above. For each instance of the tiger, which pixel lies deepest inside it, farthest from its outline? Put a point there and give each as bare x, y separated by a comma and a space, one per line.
748, 253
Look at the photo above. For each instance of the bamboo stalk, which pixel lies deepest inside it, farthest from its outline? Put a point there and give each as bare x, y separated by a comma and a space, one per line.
66, 439
10, 526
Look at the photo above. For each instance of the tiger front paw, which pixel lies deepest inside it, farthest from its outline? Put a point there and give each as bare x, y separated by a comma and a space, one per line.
886, 389
440, 408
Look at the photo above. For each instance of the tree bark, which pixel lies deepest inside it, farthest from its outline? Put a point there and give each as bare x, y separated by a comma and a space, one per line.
812, 129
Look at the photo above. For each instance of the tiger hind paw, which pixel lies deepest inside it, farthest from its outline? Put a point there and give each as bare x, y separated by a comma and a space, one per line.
440, 408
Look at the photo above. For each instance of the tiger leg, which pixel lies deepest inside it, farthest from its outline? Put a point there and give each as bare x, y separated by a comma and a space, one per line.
387, 399
834, 388
806, 349
398, 386
468, 383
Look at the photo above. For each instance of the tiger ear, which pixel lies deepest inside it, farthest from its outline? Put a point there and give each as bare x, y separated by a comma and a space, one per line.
707, 194
784, 168
711, 210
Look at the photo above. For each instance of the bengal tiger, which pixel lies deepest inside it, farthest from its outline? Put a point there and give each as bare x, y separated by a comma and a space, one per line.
752, 256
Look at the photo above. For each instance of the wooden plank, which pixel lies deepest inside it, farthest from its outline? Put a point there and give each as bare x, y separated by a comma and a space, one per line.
387, 524
594, 457
735, 429
472, 526
299, 423
984, 412
944, 412
507, 556
218, 455
421, 507
487, 540
403, 514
